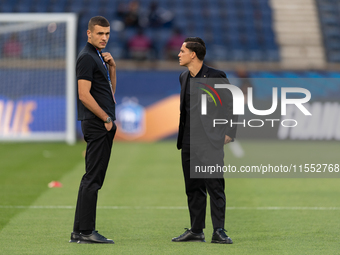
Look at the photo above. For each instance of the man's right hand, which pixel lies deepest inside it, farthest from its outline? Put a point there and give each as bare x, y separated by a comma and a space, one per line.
108, 126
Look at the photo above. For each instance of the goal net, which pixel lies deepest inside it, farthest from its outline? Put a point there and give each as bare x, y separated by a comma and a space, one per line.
37, 77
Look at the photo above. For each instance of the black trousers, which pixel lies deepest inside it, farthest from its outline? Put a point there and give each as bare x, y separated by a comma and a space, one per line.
98, 150
197, 188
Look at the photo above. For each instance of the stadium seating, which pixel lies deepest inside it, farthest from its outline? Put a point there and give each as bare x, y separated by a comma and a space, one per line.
235, 30
329, 12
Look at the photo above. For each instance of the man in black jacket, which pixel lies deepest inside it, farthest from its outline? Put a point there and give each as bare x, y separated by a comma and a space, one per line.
200, 144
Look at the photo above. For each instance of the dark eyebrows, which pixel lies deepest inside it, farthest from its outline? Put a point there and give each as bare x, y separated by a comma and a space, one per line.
101, 33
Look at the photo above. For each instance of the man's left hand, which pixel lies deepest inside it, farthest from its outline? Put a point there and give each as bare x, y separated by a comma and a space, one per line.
227, 139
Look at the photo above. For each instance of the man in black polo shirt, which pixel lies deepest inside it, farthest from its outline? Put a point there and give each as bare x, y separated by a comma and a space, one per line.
96, 75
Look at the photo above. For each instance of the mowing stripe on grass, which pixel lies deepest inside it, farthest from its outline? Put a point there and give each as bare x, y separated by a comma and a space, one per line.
167, 207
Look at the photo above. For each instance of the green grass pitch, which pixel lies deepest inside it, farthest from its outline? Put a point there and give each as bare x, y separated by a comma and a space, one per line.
142, 204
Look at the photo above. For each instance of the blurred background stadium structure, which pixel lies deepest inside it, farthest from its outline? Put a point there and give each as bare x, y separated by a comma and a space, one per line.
295, 33
245, 38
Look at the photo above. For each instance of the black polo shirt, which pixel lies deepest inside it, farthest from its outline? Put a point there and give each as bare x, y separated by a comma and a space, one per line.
90, 67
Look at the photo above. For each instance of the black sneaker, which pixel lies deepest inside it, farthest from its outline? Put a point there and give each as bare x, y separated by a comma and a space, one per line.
74, 237
94, 237
219, 236
189, 236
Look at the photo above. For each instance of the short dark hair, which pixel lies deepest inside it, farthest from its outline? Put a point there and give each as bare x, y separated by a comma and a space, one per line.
196, 45
98, 20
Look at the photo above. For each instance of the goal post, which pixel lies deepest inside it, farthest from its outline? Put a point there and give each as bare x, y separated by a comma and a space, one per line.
37, 77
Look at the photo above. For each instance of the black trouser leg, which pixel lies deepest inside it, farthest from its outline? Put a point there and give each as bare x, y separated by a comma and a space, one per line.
215, 189
196, 192
196, 189
98, 151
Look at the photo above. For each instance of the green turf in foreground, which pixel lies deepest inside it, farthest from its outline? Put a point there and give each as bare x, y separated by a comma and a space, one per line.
26, 169
144, 177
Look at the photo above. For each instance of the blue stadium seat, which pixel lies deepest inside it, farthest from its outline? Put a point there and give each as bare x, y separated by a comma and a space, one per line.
24, 6
7, 6
40, 6
333, 56
330, 20
329, 13
330, 32
218, 52
58, 6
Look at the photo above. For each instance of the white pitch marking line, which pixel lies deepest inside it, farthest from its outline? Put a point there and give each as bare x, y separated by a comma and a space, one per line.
268, 208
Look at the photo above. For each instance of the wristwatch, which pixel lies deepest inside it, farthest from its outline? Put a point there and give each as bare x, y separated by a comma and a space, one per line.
108, 120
